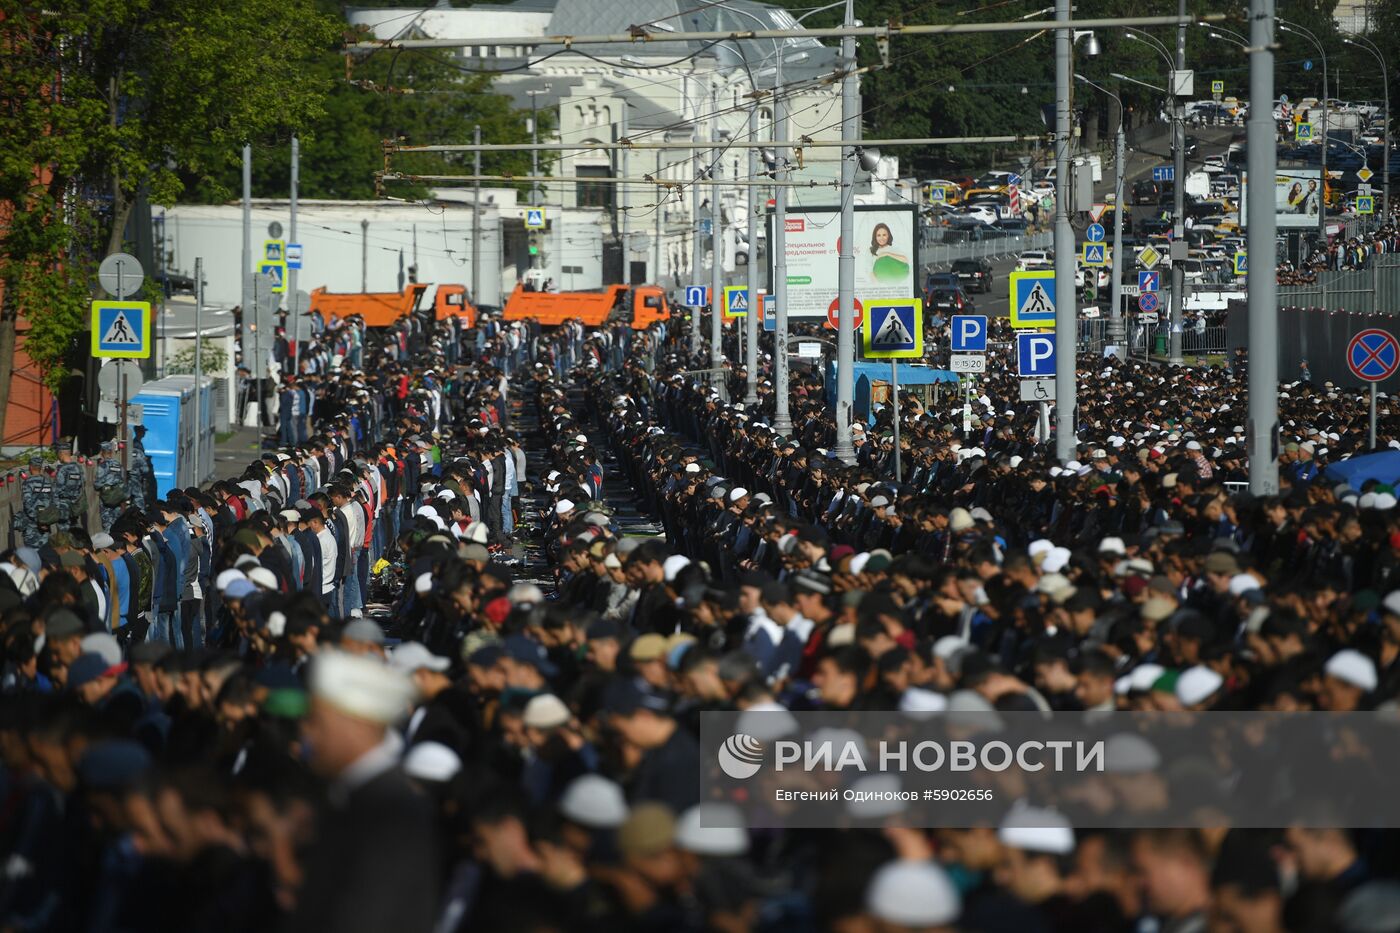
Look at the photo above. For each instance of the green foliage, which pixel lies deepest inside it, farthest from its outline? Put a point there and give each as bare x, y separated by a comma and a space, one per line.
212, 359
153, 93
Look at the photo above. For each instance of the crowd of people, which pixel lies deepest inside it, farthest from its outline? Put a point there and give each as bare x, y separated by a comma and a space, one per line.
1343, 254
437, 662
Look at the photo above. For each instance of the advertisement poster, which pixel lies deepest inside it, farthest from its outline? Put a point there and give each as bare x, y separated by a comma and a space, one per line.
1297, 197
886, 256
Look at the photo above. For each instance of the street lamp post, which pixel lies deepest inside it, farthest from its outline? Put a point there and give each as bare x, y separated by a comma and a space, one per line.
1115, 318
1297, 30
1178, 109
1365, 43
846, 257
1262, 436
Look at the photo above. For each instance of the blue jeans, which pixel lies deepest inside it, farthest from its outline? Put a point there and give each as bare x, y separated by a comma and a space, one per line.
161, 629
507, 517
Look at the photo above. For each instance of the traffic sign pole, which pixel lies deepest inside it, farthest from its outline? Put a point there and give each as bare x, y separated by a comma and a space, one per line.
1373, 416
291, 270
894, 394
1065, 323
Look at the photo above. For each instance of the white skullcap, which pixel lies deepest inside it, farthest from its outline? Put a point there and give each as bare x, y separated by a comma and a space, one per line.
361, 686
1391, 603
712, 829
1352, 667
1130, 753
1385, 501
222, 581
1112, 546
594, 801
523, 593
432, 761
546, 711
104, 644
949, 645
477, 533
427, 510
913, 894
692, 468
564, 505
1036, 829
1197, 684
674, 565
768, 720
737, 493
423, 583
1039, 548
858, 562
1056, 560
411, 656
960, 519
1242, 583
919, 703
263, 577
1143, 676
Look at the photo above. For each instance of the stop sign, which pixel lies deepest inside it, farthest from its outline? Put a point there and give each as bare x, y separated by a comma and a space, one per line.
833, 313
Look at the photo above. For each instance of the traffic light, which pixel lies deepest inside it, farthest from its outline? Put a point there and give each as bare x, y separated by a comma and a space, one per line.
534, 243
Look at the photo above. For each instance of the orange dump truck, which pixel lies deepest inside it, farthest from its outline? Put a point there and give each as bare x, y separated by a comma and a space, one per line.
382, 309
641, 305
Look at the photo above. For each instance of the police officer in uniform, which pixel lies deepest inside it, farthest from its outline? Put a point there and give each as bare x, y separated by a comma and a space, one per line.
69, 483
138, 465
111, 484
39, 505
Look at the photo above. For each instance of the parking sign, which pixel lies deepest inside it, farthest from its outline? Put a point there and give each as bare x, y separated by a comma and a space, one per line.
1035, 355
969, 333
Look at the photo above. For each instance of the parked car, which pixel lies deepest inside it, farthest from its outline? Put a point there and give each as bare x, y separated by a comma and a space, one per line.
949, 301
935, 280
1035, 259
1145, 192
974, 274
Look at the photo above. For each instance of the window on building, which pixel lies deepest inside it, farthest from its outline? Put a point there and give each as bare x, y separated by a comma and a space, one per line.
594, 194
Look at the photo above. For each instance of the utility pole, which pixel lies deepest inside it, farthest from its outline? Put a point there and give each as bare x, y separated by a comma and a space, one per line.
1116, 328
755, 302
1262, 436
364, 255
654, 273
199, 425
846, 258
476, 221
1065, 299
782, 416
697, 243
245, 274
296, 307
1179, 246
717, 380
621, 194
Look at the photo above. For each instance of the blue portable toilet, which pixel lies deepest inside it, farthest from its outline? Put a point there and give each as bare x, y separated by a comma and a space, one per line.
172, 416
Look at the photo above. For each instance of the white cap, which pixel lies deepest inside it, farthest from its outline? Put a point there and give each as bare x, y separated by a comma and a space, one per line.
594, 801
1144, 676
713, 829
674, 565
411, 655
692, 468
913, 894
1036, 829
361, 686
1197, 684
1112, 546
1385, 501
222, 581
737, 493
564, 505
960, 519
1040, 547
477, 533
949, 645
1391, 603
1352, 667
263, 577
525, 594
432, 761
858, 562
767, 721
546, 711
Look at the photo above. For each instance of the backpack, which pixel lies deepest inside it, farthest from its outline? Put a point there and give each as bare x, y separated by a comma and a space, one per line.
50, 512
112, 496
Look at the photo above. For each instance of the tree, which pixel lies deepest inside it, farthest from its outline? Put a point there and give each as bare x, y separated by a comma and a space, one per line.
101, 104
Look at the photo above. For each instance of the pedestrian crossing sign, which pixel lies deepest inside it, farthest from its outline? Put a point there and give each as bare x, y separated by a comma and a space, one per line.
274, 250
121, 329
534, 218
1095, 254
1242, 263
1033, 298
895, 331
736, 301
277, 272
1303, 133
1366, 204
